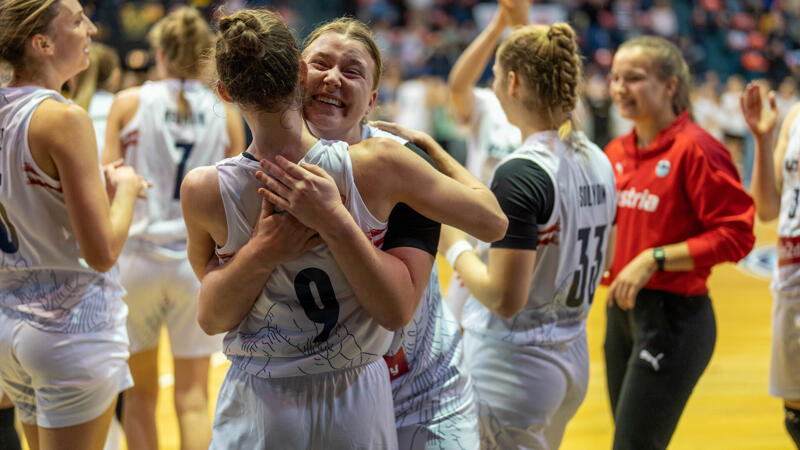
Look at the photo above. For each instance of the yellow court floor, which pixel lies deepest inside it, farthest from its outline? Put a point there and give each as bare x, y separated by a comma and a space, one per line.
730, 408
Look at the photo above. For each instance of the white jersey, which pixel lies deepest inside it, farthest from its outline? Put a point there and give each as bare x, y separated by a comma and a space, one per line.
163, 150
787, 272
491, 136
571, 255
431, 346
98, 112
43, 279
294, 329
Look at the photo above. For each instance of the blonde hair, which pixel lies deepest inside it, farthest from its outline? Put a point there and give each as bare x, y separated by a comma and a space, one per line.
19, 21
546, 60
668, 62
103, 61
186, 40
258, 60
352, 29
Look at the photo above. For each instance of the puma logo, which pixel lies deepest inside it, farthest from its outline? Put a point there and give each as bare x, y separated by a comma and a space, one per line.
394, 370
653, 360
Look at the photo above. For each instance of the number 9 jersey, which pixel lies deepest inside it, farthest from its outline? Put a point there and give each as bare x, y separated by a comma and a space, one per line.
307, 319
560, 199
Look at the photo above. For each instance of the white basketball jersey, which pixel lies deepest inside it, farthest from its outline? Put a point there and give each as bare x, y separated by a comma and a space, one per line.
307, 319
491, 136
43, 279
163, 149
787, 272
571, 253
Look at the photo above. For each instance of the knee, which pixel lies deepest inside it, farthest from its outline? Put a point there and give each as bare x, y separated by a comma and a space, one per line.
191, 398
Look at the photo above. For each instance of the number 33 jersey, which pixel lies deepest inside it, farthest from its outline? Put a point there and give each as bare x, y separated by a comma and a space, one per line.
306, 319
163, 148
559, 198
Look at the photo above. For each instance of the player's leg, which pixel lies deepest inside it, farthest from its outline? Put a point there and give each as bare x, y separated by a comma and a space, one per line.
89, 435
139, 407
617, 349
191, 402
192, 349
143, 277
784, 379
674, 341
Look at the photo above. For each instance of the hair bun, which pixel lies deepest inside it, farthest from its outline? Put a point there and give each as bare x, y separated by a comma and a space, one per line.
241, 36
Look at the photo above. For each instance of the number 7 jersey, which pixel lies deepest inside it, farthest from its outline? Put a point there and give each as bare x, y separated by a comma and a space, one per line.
163, 148
571, 248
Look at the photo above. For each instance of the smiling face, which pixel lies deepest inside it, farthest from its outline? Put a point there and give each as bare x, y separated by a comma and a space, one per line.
71, 35
638, 92
339, 87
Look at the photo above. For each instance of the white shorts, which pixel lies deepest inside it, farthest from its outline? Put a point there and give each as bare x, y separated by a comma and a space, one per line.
784, 376
163, 292
347, 409
526, 395
454, 429
58, 380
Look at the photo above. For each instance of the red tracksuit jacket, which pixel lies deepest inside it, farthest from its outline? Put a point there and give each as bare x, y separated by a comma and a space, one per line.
683, 187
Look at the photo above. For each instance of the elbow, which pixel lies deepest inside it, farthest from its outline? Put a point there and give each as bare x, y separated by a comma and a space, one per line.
493, 229
397, 320
209, 324
766, 215
506, 307
101, 261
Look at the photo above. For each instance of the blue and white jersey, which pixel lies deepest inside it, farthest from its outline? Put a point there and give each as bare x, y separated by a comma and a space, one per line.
43, 279
307, 319
571, 251
786, 281
432, 348
162, 148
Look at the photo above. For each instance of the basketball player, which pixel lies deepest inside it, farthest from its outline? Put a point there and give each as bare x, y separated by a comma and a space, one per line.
434, 403
285, 348
524, 325
164, 129
673, 228
63, 346
776, 188
490, 135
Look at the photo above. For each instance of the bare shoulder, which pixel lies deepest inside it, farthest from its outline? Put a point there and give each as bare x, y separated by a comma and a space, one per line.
200, 187
58, 124
378, 151
125, 105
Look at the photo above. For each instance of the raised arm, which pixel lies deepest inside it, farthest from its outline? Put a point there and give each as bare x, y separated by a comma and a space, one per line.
470, 65
768, 162
228, 291
62, 143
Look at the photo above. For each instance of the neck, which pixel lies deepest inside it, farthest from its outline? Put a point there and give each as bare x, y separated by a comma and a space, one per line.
44, 78
532, 124
282, 133
647, 129
351, 135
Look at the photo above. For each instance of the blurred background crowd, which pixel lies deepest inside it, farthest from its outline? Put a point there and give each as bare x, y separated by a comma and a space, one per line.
726, 42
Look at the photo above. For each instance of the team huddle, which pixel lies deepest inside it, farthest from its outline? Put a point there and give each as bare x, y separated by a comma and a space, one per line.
308, 257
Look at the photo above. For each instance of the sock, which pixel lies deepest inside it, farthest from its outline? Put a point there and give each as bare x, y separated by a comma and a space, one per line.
792, 422
8, 434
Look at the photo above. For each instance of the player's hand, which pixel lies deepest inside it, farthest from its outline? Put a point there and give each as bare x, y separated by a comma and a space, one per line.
305, 191
631, 280
515, 11
118, 175
281, 237
760, 120
416, 137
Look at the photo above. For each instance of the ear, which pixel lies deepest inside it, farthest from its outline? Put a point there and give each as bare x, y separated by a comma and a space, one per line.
42, 44
512, 83
371, 104
672, 86
303, 73
223, 93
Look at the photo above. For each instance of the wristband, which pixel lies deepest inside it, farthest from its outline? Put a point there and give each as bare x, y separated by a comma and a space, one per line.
455, 251
659, 256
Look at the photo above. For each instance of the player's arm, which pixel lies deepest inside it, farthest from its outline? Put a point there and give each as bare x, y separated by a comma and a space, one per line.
123, 108
767, 164
388, 285
99, 216
470, 65
228, 291
526, 194
391, 171
235, 129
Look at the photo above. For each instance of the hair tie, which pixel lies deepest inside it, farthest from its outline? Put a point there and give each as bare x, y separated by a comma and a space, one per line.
550, 32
